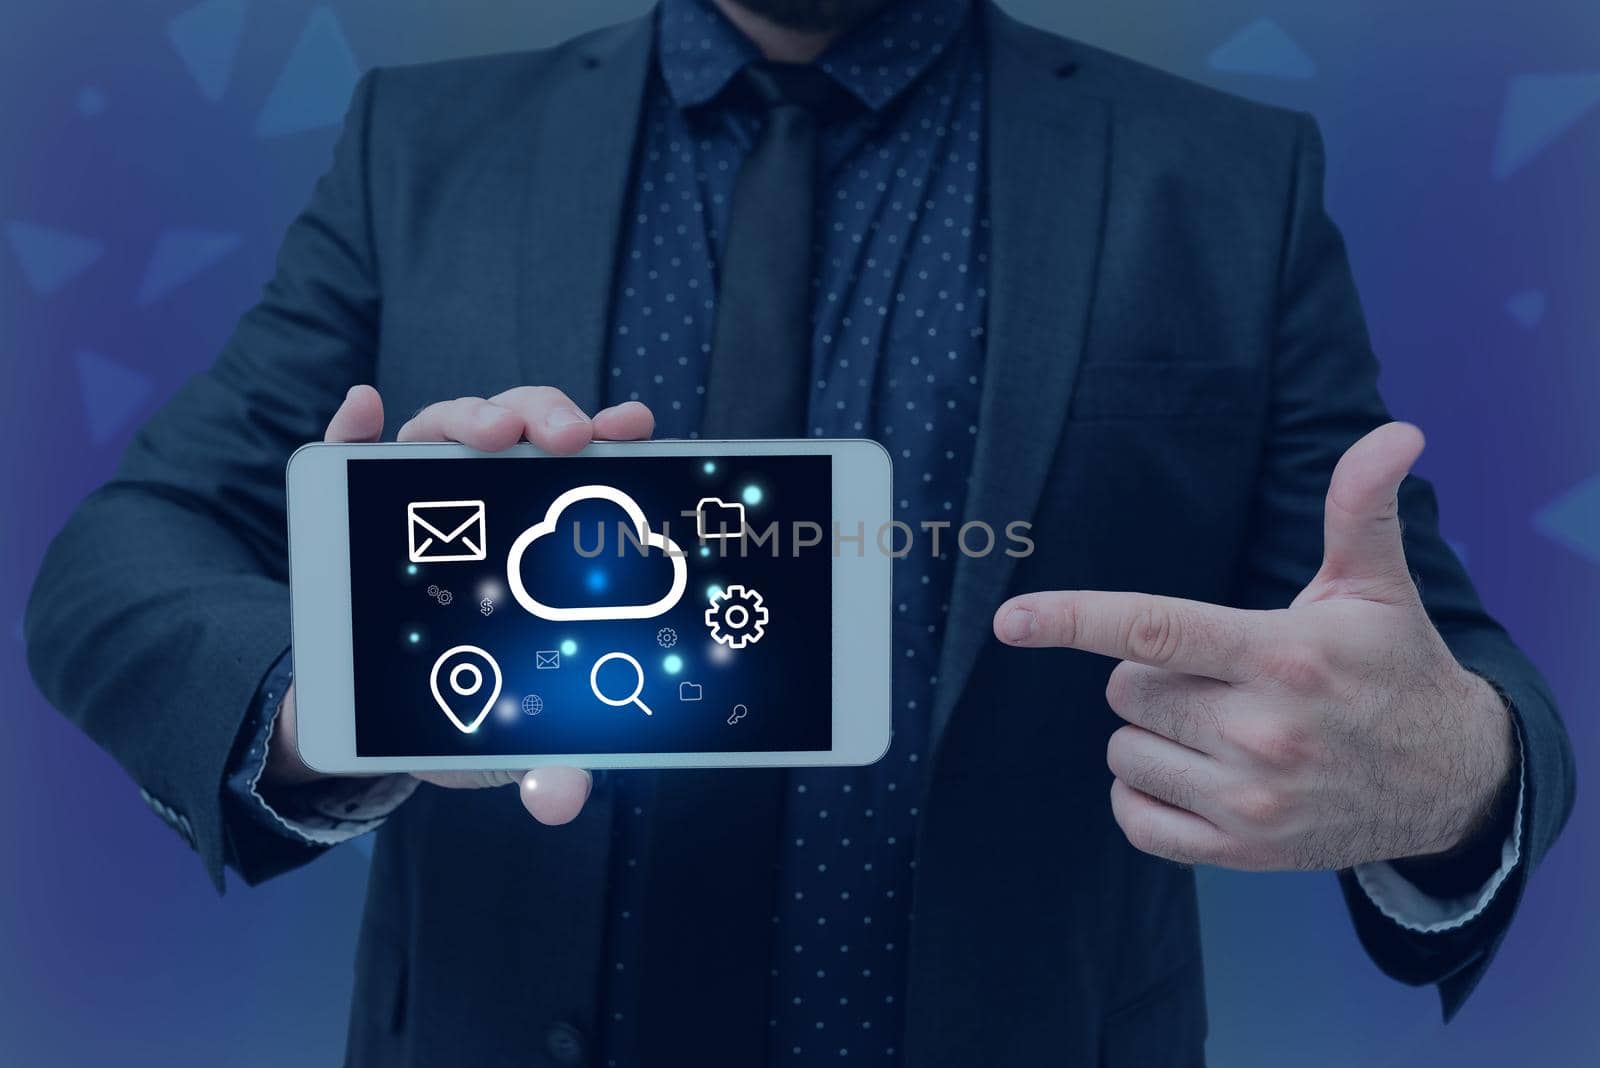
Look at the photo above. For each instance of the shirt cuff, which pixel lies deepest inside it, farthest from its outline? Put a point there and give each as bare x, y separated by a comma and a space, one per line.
322, 813
1401, 901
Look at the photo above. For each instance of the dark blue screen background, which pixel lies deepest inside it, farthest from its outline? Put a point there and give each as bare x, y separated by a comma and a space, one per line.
401, 630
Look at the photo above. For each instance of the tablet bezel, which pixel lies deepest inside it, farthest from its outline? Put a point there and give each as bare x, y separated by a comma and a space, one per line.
319, 571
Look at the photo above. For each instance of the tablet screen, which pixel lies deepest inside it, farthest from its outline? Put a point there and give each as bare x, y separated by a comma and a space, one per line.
652, 604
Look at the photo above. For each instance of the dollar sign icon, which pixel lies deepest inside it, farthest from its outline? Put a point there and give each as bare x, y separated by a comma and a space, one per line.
486, 606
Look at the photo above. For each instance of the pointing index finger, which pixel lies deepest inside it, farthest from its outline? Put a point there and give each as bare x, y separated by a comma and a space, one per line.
1165, 632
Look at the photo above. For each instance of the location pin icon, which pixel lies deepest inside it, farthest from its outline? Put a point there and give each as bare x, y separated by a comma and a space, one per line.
465, 686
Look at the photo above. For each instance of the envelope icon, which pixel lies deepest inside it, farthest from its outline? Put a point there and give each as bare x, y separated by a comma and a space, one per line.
441, 532
546, 659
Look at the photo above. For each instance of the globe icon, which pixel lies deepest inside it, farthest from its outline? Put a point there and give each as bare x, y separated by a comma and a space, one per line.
532, 705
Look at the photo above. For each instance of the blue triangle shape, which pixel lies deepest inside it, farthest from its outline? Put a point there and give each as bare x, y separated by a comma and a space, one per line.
179, 256
207, 39
1527, 308
51, 258
1263, 48
315, 86
1573, 519
1539, 108
111, 393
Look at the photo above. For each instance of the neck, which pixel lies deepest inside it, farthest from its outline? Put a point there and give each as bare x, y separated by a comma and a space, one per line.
779, 43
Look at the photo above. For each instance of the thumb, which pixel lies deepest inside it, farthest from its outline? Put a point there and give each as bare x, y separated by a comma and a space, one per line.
359, 418
555, 795
1362, 553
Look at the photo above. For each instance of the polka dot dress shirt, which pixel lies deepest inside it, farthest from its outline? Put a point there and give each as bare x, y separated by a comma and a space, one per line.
899, 298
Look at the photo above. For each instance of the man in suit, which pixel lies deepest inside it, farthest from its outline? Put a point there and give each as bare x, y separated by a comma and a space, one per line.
1060, 288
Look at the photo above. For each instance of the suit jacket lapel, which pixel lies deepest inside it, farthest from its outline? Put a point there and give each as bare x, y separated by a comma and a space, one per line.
1048, 152
580, 161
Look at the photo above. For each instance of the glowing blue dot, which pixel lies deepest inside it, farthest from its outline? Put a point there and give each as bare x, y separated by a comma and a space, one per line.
411, 569
705, 550
672, 664
413, 637
752, 495
712, 591
569, 647
596, 580
710, 468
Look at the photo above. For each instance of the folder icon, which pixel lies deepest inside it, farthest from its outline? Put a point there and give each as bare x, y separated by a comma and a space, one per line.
441, 532
688, 691
715, 518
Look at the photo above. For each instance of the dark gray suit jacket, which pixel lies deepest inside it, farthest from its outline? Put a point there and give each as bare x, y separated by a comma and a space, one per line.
1176, 357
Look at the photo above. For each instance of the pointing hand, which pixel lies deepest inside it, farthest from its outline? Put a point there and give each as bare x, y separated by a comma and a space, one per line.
1334, 732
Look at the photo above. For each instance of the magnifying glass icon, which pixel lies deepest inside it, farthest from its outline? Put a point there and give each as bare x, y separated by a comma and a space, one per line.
638, 683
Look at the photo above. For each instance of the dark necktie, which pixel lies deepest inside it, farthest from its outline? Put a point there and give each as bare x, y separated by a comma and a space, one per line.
727, 821
760, 367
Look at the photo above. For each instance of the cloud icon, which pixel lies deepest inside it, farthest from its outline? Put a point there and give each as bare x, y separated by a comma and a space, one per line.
641, 530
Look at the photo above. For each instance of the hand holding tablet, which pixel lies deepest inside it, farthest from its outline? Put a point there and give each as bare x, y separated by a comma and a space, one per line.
672, 604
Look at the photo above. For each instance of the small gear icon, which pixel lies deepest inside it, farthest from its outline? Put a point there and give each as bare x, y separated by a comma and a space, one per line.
737, 616
666, 637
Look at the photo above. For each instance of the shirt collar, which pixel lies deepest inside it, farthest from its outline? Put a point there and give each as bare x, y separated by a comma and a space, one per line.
700, 51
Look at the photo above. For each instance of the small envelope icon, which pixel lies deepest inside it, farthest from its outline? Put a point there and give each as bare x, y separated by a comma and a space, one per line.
688, 691
546, 659
441, 532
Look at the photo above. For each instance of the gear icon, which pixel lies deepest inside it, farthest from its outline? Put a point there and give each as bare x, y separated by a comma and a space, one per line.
666, 637
737, 616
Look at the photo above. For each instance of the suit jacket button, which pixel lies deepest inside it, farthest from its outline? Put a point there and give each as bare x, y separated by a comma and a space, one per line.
564, 1043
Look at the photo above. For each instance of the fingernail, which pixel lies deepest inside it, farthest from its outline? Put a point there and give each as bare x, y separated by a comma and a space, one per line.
1018, 625
487, 414
563, 417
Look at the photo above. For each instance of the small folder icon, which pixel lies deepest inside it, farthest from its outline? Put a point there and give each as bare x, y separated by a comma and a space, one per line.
688, 691
442, 532
715, 518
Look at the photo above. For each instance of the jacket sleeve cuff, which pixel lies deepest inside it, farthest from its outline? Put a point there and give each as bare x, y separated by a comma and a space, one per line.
317, 814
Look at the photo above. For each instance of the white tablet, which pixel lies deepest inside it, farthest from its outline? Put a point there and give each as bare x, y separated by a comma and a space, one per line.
639, 605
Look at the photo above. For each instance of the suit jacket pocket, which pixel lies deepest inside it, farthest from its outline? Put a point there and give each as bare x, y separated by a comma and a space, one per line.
1148, 389
1165, 1027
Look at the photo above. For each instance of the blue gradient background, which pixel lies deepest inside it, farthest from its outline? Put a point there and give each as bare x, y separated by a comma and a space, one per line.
1465, 181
